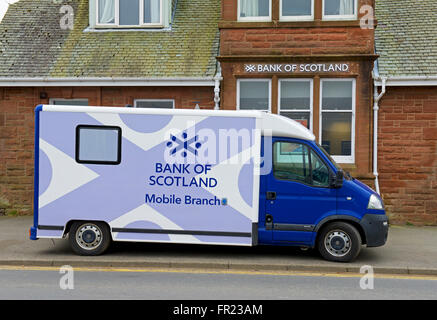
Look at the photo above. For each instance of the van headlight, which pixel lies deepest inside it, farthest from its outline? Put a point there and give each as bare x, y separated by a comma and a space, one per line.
375, 203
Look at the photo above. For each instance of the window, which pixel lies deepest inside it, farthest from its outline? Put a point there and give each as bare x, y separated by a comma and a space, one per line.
339, 9
68, 102
98, 144
129, 13
146, 103
319, 171
296, 100
254, 10
296, 10
254, 94
293, 161
337, 130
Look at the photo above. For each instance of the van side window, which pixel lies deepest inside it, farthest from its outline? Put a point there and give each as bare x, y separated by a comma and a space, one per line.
291, 162
296, 162
319, 171
98, 144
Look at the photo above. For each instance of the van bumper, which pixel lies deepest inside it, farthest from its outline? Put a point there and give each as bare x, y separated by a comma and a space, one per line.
376, 229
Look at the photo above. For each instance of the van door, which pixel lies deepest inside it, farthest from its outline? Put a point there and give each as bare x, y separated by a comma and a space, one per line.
298, 191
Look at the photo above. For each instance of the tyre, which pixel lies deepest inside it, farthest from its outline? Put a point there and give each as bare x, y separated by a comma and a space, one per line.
339, 241
89, 238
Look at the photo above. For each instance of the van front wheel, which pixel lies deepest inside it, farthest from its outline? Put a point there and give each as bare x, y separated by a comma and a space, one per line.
339, 241
89, 238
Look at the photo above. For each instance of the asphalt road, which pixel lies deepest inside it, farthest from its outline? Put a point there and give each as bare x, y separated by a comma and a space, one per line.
168, 284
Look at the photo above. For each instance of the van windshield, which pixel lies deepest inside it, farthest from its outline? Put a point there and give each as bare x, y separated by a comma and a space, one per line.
346, 174
329, 157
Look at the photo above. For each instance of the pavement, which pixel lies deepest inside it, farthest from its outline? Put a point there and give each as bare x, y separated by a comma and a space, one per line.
409, 250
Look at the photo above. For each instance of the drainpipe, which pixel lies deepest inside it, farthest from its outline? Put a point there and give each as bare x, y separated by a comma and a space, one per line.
376, 98
218, 77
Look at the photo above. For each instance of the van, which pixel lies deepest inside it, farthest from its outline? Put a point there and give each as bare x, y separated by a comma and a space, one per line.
242, 178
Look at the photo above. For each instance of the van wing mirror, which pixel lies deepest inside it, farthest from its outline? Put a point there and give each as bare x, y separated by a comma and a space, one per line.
336, 180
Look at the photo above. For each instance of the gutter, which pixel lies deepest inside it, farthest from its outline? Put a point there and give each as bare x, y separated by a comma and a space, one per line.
106, 82
408, 81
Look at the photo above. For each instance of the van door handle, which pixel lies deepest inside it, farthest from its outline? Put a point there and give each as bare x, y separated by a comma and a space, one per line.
269, 222
271, 195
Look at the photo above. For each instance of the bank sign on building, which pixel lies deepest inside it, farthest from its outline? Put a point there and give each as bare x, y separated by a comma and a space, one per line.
366, 88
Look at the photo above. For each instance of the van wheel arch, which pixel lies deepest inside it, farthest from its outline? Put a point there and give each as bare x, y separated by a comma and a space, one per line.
355, 222
70, 223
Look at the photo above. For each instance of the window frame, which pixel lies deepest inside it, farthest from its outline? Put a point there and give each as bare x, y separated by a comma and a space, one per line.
269, 80
296, 18
52, 100
254, 19
311, 81
116, 23
340, 159
154, 100
353, 16
309, 148
101, 127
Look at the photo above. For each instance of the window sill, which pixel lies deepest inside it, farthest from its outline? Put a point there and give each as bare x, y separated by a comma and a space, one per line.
227, 24
127, 29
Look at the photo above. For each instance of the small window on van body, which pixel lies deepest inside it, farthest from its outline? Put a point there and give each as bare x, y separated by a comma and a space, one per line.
98, 144
297, 162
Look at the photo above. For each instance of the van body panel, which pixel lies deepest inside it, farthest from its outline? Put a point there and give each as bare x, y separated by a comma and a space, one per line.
138, 197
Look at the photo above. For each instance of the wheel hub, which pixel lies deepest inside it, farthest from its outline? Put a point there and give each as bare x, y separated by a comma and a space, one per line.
338, 243
89, 236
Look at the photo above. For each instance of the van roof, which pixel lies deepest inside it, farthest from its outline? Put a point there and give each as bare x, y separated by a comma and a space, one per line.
270, 124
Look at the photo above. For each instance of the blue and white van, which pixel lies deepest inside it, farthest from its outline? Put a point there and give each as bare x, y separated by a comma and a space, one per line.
242, 178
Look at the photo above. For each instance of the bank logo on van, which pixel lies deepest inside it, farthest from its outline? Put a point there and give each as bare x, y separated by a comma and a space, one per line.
183, 145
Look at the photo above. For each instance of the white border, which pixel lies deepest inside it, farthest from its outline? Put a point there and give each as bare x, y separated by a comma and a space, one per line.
340, 17
311, 81
154, 100
255, 80
296, 18
254, 19
340, 159
116, 24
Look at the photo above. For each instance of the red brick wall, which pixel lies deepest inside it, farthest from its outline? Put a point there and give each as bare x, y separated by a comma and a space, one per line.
407, 157
297, 41
17, 128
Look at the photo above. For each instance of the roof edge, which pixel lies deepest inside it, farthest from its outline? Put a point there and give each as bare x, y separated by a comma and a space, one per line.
105, 82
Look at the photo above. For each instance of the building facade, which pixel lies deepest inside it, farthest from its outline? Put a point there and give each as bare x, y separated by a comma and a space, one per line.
366, 88
148, 53
309, 60
406, 76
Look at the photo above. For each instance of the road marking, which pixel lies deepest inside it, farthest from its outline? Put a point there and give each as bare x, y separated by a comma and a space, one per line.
229, 271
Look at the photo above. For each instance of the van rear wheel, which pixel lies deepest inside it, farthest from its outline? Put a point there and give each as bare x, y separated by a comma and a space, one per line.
340, 242
89, 238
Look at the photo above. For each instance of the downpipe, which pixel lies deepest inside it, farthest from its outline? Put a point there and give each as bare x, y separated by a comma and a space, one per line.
376, 98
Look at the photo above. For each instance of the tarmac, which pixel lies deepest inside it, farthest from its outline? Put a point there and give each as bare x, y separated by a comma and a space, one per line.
409, 250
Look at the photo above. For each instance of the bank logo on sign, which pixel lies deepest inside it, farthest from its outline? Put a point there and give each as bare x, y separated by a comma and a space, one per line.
249, 68
183, 145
